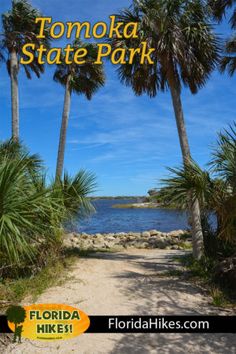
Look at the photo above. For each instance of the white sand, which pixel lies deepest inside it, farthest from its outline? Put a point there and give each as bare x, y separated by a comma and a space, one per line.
127, 284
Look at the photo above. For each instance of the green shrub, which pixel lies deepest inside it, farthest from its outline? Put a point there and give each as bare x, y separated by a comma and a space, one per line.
32, 213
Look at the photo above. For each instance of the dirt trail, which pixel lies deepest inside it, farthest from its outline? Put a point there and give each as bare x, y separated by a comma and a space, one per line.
127, 283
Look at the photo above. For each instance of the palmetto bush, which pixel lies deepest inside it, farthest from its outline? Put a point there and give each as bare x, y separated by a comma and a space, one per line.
32, 213
215, 189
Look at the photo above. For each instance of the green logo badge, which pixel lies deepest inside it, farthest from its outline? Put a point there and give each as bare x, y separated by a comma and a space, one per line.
16, 315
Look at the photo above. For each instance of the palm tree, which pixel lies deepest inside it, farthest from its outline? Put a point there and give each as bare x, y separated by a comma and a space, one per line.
186, 52
19, 28
228, 63
224, 156
216, 194
219, 8
81, 79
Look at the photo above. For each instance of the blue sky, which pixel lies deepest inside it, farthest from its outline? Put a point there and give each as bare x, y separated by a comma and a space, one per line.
126, 141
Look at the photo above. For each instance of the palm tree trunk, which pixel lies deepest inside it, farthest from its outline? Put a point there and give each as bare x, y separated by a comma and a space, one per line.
14, 69
64, 124
194, 207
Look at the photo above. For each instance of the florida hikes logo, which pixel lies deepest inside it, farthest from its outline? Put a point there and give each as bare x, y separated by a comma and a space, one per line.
16, 315
46, 322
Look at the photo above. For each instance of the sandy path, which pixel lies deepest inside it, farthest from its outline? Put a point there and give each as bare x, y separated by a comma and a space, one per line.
126, 283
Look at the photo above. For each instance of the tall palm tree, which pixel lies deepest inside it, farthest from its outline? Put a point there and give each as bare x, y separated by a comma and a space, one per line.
19, 28
81, 79
186, 52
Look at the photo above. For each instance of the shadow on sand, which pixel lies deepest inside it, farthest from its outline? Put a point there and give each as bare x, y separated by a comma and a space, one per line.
164, 296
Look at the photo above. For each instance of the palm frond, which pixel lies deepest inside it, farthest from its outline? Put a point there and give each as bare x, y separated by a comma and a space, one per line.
75, 191
185, 180
86, 78
33, 212
19, 28
223, 162
219, 8
182, 36
228, 62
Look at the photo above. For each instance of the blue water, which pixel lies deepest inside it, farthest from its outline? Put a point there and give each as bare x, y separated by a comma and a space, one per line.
108, 219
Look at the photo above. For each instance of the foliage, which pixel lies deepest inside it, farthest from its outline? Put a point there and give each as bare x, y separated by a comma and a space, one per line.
86, 78
31, 212
187, 50
189, 178
224, 156
204, 271
228, 63
219, 8
198, 268
16, 289
19, 28
215, 189
71, 190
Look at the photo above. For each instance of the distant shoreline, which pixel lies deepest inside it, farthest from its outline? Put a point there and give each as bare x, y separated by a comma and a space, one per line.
119, 198
148, 205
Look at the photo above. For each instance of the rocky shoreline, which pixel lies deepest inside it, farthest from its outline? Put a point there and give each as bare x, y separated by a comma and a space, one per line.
176, 240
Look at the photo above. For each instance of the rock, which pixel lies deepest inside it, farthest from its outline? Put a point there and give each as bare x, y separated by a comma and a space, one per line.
154, 232
152, 240
161, 244
141, 245
67, 243
99, 246
134, 234
111, 235
110, 238
68, 236
146, 234
108, 245
175, 247
131, 238
147, 239
99, 236
176, 233
84, 236
164, 234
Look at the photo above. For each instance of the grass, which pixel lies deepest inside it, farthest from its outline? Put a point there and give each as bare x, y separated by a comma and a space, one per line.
219, 299
75, 252
185, 246
54, 274
201, 272
173, 273
15, 291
